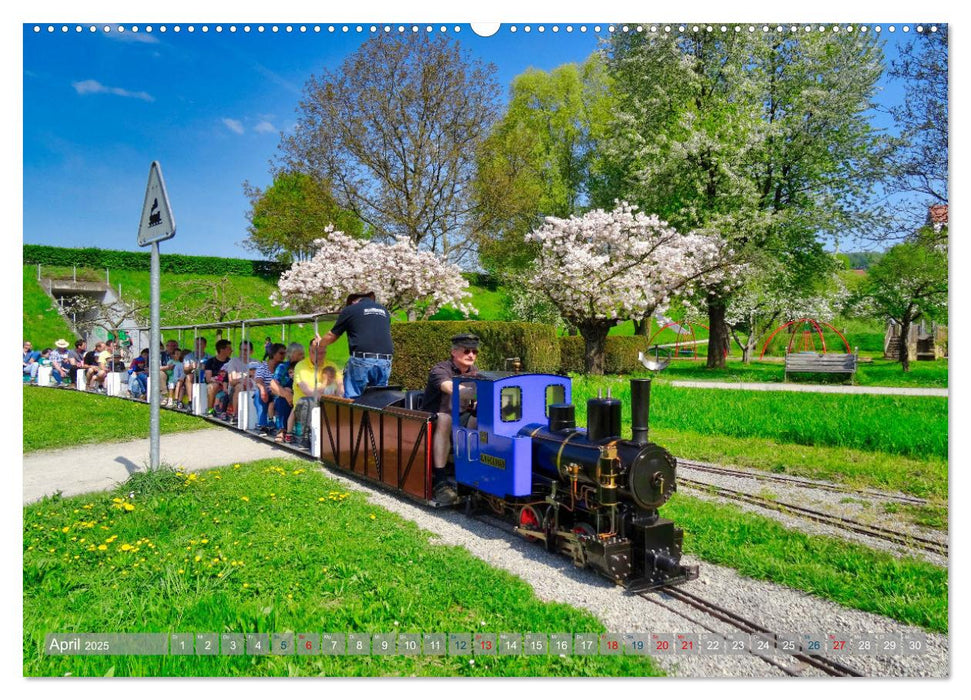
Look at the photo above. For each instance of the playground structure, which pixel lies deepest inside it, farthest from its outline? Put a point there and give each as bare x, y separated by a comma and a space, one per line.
686, 341
808, 331
925, 341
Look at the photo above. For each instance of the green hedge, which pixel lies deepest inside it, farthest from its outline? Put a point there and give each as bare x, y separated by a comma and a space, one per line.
127, 260
419, 345
621, 354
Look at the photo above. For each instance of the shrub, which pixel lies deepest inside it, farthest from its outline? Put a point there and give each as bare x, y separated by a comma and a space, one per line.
421, 344
620, 354
127, 260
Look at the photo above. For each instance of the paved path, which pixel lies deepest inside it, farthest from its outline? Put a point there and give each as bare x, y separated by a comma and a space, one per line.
819, 388
99, 467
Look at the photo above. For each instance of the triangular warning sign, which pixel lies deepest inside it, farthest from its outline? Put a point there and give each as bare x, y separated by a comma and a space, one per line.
157, 222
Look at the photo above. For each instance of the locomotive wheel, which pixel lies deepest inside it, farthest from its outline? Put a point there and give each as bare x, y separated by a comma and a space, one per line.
584, 529
530, 519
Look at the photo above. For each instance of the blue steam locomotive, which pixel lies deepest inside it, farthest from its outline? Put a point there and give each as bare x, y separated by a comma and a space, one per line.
587, 493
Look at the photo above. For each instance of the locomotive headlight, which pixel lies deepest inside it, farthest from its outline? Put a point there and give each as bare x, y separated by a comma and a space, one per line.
650, 480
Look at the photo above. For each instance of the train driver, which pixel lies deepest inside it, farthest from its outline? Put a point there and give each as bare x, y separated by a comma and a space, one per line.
438, 397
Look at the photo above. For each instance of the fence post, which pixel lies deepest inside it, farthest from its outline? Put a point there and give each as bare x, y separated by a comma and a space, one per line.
75, 274
38, 272
107, 277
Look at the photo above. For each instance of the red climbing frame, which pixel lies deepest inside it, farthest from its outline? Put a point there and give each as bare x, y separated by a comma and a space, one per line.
819, 332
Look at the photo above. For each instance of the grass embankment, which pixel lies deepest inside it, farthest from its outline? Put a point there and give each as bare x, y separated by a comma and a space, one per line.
56, 418
908, 590
42, 324
270, 546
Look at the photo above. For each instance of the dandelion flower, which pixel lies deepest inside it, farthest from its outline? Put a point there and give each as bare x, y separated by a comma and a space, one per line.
245, 498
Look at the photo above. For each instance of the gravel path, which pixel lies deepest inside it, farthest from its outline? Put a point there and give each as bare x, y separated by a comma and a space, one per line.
818, 388
867, 508
775, 607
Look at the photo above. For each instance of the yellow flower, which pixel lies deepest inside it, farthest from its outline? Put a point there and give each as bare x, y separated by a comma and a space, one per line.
198, 558
111, 539
129, 507
125, 547
245, 498
102, 547
181, 571
65, 529
372, 516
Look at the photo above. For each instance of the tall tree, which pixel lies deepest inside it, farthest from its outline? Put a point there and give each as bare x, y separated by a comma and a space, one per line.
908, 284
920, 156
536, 160
395, 131
606, 266
760, 138
289, 215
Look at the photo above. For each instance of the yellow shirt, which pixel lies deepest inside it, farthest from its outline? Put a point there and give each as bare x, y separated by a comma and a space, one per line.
304, 372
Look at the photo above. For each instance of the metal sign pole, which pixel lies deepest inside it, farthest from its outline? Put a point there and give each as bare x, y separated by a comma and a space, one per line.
155, 362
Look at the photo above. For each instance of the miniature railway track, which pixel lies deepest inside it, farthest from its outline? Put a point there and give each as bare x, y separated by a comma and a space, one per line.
828, 666
797, 481
874, 531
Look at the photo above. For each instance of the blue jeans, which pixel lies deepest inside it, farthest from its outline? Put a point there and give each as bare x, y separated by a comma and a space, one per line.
137, 384
283, 410
262, 409
360, 373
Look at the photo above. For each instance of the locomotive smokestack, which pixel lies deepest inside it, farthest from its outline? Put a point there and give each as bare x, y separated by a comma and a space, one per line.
640, 405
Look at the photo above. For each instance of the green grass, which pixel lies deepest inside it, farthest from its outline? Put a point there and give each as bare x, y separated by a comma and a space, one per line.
910, 426
925, 478
42, 325
56, 418
906, 589
879, 372
270, 546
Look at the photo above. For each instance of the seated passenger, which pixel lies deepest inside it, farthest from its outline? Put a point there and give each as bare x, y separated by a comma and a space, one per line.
264, 384
75, 359
194, 365
61, 370
282, 388
31, 357
216, 375
438, 397
138, 376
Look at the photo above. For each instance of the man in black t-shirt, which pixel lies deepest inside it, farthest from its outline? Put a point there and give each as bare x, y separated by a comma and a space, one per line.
368, 328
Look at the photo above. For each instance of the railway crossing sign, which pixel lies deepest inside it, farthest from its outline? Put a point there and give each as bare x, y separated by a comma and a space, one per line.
157, 222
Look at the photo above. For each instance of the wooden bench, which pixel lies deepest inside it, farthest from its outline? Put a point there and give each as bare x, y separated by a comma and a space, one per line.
822, 363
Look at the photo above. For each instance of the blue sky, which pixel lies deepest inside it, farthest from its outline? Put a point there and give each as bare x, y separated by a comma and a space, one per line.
99, 107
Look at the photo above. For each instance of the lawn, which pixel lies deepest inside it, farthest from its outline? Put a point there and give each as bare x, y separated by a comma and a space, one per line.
911, 426
877, 372
847, 573
56, 418
270, 546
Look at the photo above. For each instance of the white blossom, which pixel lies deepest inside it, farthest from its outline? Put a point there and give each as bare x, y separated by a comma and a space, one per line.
401, 277
610, 266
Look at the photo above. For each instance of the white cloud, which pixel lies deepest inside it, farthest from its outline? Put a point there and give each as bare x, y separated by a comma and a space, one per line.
233, 125
264, 127
93, 87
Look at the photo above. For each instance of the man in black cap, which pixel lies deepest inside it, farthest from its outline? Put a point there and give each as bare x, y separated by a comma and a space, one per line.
368, 327
438, 397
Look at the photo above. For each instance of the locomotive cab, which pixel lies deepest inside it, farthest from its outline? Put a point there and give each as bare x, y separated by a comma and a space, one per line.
493, 457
